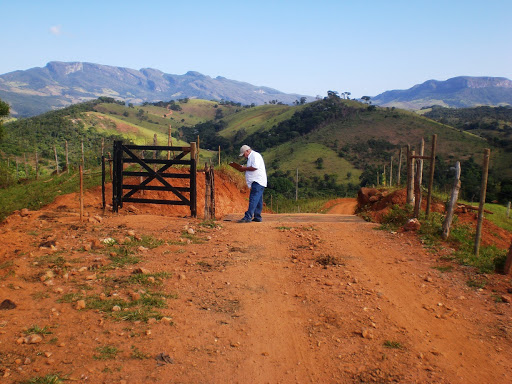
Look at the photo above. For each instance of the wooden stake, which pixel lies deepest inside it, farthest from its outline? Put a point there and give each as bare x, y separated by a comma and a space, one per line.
297, 185
37, 166
391, 172
483, 190
508, 261
56, 160
410, 176
169, 142
83, 156
67, 156
452, 203
399, 167
80, 170
431, 178
219, 154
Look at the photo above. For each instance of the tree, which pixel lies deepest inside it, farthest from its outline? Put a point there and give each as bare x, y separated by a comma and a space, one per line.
366, 99
303, 100
347, 95
332, 94
4, 112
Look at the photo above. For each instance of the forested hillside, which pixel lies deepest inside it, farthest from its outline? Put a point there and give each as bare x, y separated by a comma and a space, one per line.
334, 145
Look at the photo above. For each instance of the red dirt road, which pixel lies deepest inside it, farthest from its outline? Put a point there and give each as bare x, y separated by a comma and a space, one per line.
271, 302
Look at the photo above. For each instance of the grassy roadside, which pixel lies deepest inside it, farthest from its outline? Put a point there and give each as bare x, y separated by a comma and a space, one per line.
38, 193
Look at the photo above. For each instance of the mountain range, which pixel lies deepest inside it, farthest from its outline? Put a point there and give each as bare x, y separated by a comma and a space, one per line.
457, 92
60, 84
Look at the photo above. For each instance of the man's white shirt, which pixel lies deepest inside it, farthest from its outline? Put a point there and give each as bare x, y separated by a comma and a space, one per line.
255, 160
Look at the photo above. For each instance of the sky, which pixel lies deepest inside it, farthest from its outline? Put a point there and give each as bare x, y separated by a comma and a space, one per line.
303, 47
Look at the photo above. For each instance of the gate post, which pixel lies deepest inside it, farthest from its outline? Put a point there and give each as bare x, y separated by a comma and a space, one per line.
117, 180
193, 184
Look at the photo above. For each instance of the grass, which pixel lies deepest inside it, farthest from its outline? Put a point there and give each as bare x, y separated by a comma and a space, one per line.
138, 354
283, 205
444, 268
38, 330
392, 344
478, 283
106, 352
51, 378
39, 193
461, 238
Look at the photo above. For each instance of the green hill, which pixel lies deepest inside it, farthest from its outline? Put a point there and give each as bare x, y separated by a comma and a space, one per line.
335, 144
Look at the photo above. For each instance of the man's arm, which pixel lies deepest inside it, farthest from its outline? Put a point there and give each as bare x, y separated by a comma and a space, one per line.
244, 169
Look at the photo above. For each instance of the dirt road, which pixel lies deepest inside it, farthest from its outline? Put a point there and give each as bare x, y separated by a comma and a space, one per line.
272, 302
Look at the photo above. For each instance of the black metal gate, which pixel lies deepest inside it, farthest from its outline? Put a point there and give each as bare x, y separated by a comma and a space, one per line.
162, 175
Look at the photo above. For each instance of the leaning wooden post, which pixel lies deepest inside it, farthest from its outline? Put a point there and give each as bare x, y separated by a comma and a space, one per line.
384, 175
80, 170
483, 190
219, 154
452, 203
399, 167
418, 180
431, 178
508, 262
508, 209
212, 193
410, 176
56, 159
206, 192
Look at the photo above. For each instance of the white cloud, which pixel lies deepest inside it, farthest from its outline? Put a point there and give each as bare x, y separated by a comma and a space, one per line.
56, 30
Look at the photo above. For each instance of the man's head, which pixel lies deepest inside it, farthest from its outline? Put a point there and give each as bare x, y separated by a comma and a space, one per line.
245, 150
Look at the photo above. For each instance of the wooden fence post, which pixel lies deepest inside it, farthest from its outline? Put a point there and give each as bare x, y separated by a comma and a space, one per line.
80, 170
451, 204
219, 154
56, 159
67, 156
37, 166
169, 142
418, 180
410, 176
508, 209
508, 262
193, 176
391, 172
431, 178
483, 190
399, 167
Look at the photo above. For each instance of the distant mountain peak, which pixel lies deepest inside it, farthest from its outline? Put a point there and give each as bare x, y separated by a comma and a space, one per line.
60, 84
456, 92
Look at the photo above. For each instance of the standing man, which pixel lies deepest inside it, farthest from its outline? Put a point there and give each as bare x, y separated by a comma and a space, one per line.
256, 178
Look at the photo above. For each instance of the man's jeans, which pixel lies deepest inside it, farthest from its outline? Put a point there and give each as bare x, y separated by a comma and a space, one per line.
255, 202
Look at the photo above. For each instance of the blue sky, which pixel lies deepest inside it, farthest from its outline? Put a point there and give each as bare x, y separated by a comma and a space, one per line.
304, 47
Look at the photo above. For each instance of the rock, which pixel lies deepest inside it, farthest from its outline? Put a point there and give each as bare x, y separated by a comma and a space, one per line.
47, 354
367, 333
182, 276
151, 320
428, 279
191, 231
80, 304
166, 320
131, 233
505, 298
373, 199
364, 194
131, 208
141, 270
91, 277
151, 280
135, 296
99, 219
116, 308
27, 361
96, 244
412, 225
142, 249
7, 304
24, 212
33, 339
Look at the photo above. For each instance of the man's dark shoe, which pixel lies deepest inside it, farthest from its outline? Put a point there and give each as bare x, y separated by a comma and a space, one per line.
257, 220
244, 220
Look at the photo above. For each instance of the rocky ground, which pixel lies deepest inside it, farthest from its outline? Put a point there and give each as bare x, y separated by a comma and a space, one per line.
150, 296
